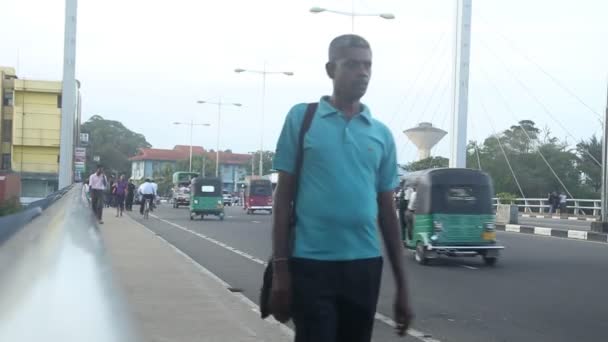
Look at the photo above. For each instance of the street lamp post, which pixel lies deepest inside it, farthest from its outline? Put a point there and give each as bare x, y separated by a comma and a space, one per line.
352, 14
263, 72
191, 124
219, 105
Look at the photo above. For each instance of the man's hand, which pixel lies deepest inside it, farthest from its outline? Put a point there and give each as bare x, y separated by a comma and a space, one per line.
403, 314
280, 295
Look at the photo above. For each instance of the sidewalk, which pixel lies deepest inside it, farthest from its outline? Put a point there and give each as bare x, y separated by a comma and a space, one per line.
173, 299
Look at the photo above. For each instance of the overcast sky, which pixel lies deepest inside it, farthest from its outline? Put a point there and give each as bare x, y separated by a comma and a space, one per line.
147, 62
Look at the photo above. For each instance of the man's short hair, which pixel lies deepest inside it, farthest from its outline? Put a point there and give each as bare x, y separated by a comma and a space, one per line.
99, 166
346, 41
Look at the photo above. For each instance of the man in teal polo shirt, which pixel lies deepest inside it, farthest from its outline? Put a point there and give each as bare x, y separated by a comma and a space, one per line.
329, 279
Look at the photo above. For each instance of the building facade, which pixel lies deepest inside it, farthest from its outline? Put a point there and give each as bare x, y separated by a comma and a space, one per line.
31, 132
152, 163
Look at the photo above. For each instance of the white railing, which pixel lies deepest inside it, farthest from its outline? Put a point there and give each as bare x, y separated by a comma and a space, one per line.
575, 206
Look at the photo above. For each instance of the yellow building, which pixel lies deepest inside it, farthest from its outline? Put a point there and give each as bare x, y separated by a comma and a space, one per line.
7, 77
31, 130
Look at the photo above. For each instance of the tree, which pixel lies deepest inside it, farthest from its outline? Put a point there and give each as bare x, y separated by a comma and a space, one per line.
527, 155
427, 163
589, 155
113, 143
267, 158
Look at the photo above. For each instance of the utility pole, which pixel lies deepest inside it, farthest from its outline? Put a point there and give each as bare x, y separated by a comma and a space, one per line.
604, 164
68, 96
462, 48
603, 225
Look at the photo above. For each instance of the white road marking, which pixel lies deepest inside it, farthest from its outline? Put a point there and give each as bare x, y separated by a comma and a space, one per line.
542, 231
387, 320
469, 267
412, 332
512, 228
577, 234
256, 222
590, 219
556, 217
525, 215
571, 218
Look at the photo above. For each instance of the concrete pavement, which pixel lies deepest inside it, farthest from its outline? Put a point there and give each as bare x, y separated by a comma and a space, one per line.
174, 299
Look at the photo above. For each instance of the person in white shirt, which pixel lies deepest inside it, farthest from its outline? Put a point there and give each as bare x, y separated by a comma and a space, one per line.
147, 192
97, 185
155, 192
411, 209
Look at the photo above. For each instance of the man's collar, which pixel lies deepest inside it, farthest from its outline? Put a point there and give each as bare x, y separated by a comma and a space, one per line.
326, 109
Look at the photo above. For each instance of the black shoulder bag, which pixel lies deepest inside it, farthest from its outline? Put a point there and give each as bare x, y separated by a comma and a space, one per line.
267, 280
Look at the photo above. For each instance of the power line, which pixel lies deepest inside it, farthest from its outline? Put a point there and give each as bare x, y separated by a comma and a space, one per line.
515, 48
531, 94
524, 131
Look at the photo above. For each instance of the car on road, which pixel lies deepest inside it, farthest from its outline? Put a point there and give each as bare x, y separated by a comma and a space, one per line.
227, 198
180, 197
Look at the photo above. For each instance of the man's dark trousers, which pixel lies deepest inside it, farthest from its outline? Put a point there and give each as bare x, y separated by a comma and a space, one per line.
97, 202
334, 301
145, 198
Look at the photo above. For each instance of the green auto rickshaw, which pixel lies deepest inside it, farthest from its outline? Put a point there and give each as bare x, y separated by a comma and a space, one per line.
206, 198
450, 213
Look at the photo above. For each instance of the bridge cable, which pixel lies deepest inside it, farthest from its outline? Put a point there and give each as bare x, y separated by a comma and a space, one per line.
515, 48
417, 77
475, 145
497, 136
531, 94
524, 131
405, 145
417, 97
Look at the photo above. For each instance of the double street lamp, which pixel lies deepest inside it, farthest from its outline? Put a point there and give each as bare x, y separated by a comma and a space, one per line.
353, 14
263, 72
191, 124
219, 105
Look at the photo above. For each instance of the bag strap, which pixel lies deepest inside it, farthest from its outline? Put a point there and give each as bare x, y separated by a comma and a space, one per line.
308, 116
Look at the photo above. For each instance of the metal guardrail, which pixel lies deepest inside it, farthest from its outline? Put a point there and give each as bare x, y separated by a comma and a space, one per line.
10, 224
56, 283
584, 207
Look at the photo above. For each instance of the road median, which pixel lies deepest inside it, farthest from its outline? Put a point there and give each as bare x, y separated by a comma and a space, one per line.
575, 234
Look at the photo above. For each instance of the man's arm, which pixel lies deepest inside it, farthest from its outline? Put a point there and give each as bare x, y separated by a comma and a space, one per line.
389, 227
280, 297
281, 229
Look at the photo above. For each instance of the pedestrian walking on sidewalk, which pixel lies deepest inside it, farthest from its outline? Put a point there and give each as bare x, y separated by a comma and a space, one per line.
120, 193
563, 203
97, 185
342, 188
130, 195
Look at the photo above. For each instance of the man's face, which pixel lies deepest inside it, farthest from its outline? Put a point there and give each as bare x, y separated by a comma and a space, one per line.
351, 71
99, 170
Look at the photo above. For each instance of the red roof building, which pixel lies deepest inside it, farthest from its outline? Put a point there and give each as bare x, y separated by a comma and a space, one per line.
149, 162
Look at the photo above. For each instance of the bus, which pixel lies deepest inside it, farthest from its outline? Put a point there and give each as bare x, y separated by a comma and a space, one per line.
258, 195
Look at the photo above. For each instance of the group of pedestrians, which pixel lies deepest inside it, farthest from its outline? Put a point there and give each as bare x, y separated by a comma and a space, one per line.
109, 193
557, 201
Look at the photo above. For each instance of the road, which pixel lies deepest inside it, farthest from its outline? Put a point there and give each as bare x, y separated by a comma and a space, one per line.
543, 289
555, 223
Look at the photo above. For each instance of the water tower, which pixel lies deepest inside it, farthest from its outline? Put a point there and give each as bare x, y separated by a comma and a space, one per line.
425, 136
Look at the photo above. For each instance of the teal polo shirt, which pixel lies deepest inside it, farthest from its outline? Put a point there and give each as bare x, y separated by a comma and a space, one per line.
346, 163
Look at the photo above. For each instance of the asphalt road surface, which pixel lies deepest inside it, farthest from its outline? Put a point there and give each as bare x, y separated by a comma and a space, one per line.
543, 289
